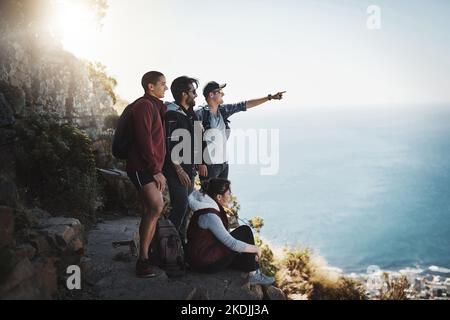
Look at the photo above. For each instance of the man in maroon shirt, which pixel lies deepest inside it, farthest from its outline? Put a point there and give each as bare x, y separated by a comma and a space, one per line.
145, 160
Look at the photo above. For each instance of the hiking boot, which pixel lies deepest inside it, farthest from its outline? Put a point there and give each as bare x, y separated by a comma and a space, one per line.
260, 278
144, 269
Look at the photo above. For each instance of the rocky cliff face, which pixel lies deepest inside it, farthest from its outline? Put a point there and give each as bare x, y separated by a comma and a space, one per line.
38, 77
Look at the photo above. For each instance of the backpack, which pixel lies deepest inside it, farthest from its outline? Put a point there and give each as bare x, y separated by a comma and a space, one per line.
206, 120
122, 135
167, 249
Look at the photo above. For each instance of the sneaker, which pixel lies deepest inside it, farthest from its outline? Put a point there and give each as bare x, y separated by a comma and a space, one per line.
260, 278
144, 269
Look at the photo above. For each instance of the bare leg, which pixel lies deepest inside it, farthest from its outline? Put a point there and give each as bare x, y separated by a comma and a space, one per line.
153, 206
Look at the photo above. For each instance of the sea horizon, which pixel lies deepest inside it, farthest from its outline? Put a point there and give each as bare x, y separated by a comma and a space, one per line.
360, 187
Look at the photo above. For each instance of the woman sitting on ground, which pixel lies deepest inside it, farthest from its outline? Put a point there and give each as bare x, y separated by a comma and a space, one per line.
211, 247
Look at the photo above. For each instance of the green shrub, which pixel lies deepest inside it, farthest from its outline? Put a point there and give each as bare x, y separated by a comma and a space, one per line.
98, 75
56, 166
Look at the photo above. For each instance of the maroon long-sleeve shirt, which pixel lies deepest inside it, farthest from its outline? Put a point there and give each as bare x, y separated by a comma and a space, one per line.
148, 149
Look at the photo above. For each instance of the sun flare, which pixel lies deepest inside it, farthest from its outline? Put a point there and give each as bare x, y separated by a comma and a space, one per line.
75, 25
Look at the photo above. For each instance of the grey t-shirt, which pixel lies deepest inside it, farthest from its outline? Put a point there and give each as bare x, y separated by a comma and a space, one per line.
216, 121
216, 136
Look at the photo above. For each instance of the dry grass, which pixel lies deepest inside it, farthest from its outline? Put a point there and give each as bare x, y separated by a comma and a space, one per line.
301, 274
394, 288
305, 275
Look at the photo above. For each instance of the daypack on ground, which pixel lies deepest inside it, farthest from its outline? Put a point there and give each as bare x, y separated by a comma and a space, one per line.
122, 135
167, 249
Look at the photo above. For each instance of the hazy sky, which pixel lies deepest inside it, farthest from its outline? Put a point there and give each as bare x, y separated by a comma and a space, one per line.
320, 51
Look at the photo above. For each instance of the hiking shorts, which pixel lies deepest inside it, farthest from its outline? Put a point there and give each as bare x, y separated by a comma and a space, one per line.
140, 178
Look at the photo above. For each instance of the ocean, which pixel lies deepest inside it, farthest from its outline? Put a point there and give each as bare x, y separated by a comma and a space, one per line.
359, 186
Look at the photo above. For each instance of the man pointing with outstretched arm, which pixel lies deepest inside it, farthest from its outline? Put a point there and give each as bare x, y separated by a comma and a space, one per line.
214, 117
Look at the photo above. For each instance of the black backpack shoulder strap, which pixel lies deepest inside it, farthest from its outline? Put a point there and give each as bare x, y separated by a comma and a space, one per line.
225, 118
206, 120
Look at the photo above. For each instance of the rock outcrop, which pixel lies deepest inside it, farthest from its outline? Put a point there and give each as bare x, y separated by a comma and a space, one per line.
110, 274
34, 259
38, 76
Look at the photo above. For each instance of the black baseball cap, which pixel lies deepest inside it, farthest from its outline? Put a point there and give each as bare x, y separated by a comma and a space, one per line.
212, 86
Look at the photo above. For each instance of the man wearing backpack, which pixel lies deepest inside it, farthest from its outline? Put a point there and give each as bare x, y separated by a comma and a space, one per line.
145, 160
180, 167
214, 117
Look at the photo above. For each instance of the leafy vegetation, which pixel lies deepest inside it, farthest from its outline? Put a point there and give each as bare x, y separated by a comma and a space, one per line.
100, 78
56, 167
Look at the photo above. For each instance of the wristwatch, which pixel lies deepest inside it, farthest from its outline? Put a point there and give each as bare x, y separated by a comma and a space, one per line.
269, 97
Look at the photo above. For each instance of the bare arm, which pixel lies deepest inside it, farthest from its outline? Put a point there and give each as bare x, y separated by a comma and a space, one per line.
256, 102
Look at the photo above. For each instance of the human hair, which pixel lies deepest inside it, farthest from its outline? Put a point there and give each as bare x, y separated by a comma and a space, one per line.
150, 77
215, 186
180, 85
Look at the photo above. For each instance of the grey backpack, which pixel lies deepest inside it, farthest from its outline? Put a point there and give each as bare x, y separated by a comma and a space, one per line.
167, 249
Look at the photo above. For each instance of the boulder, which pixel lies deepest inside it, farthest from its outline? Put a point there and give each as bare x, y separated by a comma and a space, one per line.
256, 291
64, 233
40, 244
31, 280
21, 272
46, 273
26, 290
274, 293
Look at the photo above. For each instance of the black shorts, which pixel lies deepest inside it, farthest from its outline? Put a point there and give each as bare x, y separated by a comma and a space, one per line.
140, 178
